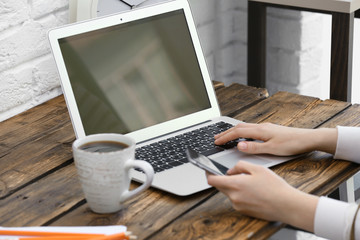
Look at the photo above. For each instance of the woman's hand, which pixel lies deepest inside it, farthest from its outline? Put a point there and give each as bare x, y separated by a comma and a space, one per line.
279, 140
258, 192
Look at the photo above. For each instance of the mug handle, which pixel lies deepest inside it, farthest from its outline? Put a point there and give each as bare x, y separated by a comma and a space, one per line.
149, 172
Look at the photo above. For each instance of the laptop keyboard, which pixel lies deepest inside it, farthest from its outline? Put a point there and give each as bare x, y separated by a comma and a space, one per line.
170, 152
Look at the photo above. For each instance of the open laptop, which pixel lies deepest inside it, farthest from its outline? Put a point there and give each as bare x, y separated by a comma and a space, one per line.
142, 73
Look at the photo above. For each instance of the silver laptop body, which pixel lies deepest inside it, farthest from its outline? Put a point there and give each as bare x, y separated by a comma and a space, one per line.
142, 73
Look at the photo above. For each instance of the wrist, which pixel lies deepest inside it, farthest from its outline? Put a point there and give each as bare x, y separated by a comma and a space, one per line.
325, 139
299, 210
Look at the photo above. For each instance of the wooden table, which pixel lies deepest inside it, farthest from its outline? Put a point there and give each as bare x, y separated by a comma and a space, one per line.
39, 185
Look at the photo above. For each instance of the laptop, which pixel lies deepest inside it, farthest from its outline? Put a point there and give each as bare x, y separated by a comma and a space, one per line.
143, 73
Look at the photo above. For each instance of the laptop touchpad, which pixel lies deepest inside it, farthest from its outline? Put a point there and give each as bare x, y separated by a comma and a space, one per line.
231, 157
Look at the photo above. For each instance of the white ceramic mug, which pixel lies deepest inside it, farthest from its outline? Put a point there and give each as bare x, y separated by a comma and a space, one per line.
105, 176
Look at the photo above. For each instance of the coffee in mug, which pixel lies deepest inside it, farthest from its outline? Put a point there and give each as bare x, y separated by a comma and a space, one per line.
103, 146
104, 163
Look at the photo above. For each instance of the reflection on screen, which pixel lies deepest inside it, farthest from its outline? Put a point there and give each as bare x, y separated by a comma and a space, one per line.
134, 75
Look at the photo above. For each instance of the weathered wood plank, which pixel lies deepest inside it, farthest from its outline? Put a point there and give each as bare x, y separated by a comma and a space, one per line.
281, 108
33, 143
348, 117
46, 200
318, 173
16, 129
33, 158
144, 215
42, 200
319, 114
215, 219
217, 85
33, 122
294, 110
236, 98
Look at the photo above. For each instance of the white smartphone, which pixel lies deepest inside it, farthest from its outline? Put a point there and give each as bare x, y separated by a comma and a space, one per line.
205, 163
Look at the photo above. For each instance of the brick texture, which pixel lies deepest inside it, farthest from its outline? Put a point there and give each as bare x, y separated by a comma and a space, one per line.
28, 74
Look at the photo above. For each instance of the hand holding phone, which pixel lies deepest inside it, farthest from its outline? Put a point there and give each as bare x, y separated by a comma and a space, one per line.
205, 163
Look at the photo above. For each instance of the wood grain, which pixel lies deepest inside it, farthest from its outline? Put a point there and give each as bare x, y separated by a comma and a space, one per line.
36, 142
236, 98
294, 110
42, 200
144, 215
349, 117
217, 85
215, 219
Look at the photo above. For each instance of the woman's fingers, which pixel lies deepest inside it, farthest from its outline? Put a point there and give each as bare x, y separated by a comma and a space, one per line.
242, 130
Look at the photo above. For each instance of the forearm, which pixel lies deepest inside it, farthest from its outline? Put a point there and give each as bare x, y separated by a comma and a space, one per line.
298, 210
302, 140
324, 139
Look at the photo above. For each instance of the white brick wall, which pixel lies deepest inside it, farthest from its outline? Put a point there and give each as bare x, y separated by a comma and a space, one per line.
27, 72
295, 61
294, 50
231, 52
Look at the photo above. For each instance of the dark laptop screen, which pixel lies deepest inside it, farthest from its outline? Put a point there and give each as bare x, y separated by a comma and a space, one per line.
134, 75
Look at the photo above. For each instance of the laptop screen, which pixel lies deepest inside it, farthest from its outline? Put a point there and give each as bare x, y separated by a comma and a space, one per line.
134, 75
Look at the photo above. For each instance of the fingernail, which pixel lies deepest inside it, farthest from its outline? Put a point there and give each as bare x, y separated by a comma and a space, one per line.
242, 145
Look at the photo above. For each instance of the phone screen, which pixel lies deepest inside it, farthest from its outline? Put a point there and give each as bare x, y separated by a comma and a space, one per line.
205, 163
